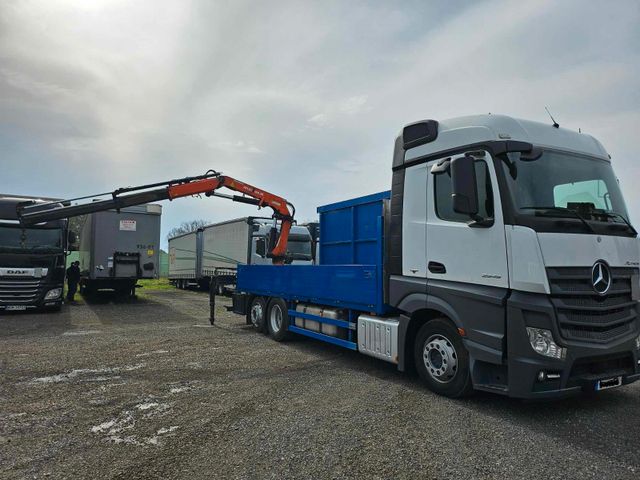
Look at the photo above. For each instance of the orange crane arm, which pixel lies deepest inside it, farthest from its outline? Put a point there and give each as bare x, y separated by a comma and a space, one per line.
207, 184
278, 204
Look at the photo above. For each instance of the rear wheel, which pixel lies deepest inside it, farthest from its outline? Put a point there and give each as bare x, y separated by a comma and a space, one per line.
258, 313
278, 320
441, 359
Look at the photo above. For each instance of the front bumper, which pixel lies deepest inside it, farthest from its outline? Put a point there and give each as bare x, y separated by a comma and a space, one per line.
584, 367
20, 298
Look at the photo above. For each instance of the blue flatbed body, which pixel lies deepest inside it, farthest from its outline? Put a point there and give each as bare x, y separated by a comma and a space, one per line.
350, 274
345, 286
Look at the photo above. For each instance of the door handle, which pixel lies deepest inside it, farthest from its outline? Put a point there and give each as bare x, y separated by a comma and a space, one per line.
437, 267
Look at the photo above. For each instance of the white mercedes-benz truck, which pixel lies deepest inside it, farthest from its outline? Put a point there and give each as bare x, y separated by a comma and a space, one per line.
502, 260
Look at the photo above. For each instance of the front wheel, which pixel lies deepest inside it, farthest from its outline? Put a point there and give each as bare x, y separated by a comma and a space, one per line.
441, 359
278, 320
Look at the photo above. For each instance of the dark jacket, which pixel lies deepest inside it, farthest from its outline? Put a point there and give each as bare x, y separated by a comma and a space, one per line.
73, 274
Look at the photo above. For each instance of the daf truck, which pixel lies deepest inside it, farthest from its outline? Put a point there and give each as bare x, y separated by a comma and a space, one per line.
214, 252
32, 259
502, 259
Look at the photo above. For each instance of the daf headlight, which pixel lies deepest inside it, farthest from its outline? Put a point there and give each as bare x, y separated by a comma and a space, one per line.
541, 341
52, 294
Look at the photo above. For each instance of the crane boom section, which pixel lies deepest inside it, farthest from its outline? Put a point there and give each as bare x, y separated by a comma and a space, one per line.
205, 184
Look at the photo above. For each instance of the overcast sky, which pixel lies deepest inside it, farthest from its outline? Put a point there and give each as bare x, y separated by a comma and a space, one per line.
303, 99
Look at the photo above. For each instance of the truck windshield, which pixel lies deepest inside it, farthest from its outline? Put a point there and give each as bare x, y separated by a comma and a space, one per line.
300, 247
14, 238
558, 184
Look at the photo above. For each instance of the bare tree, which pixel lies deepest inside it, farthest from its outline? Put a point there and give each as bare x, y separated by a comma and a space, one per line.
186, 227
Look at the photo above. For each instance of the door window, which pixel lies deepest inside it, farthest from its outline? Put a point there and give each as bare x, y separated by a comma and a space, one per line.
444, 202
261, 247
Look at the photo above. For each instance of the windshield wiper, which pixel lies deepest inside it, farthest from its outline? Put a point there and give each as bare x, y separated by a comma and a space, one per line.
621, 217
563, 209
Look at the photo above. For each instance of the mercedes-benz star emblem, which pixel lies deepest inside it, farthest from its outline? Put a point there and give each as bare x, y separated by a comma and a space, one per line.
601, 277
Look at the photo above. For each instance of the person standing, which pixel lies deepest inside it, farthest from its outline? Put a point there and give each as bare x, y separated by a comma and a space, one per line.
73, 278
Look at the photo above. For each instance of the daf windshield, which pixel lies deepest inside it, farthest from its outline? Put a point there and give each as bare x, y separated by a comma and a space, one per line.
14, 238
580, 189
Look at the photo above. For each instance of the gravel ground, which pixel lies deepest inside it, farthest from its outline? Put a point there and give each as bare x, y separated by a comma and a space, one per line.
148, 389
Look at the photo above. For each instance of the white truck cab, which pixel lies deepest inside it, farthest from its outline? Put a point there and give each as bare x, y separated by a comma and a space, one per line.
517, 233
298, 248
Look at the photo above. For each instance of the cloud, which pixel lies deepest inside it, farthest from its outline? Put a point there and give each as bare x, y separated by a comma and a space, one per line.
319, 120
300, 98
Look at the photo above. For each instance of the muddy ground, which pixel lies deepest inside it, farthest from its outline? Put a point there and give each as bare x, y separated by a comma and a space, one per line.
149, 389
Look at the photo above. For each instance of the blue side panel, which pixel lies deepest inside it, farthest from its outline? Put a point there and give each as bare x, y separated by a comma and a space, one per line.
324, 338
351, 232
348, 286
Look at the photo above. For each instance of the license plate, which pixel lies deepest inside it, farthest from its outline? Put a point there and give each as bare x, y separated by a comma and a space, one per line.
608, 383
15, 307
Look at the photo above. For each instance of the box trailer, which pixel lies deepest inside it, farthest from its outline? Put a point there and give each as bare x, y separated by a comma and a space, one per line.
214, 252
117, 248
502, 259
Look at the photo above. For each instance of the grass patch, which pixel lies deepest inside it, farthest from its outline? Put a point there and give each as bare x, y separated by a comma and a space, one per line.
156, 284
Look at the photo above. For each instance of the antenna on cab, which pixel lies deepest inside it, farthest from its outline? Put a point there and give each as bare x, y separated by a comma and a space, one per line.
555, 124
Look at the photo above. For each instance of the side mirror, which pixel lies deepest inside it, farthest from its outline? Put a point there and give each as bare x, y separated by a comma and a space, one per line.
71, 238
464, 186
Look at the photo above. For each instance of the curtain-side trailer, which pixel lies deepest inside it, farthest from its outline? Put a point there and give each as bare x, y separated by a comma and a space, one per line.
184, 260
214, 252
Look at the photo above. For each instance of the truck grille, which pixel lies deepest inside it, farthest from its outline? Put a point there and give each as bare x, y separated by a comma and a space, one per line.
586, 316
16, 291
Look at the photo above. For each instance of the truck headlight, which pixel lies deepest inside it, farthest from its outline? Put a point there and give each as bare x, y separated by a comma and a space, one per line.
638, 342
541, 341
54, 293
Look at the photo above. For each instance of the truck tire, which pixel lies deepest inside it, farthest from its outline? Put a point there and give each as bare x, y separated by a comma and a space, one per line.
441, 359
258, 314
278, 320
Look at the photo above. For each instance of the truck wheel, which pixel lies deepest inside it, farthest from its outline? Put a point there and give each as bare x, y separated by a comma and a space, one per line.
258, 313
278, 320
441, 359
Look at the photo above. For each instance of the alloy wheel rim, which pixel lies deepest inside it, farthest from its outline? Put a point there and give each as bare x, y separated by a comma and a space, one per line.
440, 358
256, 314
276, 318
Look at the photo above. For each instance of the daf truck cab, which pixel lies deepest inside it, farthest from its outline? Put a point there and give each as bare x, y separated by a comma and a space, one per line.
508, 264
32, 259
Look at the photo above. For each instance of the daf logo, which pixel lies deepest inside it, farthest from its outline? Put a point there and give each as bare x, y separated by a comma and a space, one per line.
17, 272
601, 277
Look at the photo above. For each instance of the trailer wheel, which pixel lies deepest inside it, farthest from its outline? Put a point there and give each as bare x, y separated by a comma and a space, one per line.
278, 320
442, 360
258, 313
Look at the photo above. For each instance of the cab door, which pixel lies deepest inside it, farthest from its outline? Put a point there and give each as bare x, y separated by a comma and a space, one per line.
461, 250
